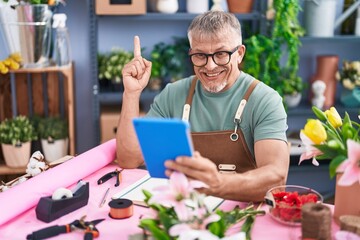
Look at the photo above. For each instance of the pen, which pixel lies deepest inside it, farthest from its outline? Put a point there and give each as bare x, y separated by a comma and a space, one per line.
104, 198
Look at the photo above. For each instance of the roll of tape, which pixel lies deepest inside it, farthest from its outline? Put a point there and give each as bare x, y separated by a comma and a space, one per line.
61, 193
121, 208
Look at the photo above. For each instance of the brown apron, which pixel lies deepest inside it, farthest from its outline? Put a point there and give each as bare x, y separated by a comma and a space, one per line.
227, 149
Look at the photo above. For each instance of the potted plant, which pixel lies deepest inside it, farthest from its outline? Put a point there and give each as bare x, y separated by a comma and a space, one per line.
53, 132
169, 60
15, 137
265, 54
110, 66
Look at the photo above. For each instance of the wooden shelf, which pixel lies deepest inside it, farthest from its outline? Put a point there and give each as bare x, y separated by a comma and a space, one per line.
45, 92
5, 170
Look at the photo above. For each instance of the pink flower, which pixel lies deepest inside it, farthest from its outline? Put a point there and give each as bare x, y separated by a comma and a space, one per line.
176, 193
310, 150
351, 166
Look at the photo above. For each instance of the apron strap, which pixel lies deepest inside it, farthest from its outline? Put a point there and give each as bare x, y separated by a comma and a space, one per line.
237, 119
186, 109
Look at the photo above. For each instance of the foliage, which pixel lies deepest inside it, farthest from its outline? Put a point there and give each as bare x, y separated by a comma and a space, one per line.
53, 128
179, 211
265, 54
17, 130
111, 64
169, 60
327, 137
350, 74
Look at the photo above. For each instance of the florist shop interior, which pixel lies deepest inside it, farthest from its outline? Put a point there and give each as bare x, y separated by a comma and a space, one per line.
61, 94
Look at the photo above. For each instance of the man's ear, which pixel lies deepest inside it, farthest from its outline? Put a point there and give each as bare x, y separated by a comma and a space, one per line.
241, 51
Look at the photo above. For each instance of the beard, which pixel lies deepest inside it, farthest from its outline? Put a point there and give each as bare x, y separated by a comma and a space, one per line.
216, 88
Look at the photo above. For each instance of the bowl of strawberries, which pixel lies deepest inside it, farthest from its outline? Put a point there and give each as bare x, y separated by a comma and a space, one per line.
285, 202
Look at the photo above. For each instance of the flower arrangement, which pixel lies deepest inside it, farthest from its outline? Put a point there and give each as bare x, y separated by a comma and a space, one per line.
350, 74
334, 138
178, 211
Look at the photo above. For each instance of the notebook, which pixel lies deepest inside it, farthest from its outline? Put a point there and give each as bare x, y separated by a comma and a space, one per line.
160, 140
135, 194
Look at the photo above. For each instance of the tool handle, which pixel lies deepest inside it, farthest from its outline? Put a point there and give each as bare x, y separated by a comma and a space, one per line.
47, 232
105, 178
88, 236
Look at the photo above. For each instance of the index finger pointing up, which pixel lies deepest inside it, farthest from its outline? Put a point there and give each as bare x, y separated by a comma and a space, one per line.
137, 48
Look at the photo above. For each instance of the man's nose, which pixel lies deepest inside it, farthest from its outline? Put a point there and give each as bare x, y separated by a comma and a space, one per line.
210, 63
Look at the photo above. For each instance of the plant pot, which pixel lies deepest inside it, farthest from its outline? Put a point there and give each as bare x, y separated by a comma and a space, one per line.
16, 156
292, 100
240, 6
350, 98
167, 6
54, 150
347, 199
197, 6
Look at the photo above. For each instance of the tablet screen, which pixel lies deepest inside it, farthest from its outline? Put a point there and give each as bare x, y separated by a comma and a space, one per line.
162, 139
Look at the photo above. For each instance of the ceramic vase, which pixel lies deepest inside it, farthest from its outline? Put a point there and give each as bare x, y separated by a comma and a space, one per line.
240, 6
350, 98
16, 156
292, 100
167, 6
347, 199
197, 6
54, 150
326, 68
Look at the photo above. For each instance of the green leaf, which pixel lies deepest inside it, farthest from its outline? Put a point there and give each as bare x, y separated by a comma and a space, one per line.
319, 114
218, 228
156, 231
335, 163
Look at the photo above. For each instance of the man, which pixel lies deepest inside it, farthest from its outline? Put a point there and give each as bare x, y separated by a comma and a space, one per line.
238, 124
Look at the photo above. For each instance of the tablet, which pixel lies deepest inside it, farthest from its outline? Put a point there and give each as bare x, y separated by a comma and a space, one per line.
162, 139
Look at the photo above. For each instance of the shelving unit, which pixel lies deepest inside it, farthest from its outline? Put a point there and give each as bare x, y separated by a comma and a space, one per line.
311, 47
44, 91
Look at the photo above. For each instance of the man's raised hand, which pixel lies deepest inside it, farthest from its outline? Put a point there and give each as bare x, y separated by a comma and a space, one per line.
136, 73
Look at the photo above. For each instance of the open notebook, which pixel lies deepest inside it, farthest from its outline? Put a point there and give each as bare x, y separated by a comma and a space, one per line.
135, 194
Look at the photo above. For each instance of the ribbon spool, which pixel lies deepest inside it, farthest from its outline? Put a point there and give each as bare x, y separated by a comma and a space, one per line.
316, 221
121, 208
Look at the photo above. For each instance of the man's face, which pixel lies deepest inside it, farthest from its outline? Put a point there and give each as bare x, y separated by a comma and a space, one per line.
215, 78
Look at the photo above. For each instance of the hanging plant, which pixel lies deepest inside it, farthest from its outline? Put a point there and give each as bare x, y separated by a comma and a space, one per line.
265, 54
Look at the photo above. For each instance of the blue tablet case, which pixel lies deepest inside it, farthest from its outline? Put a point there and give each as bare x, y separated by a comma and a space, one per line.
160, 140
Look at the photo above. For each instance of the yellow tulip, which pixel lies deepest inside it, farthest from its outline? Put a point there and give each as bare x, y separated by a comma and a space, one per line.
315, 131
14, 65
333, 117
16, 56
3, 69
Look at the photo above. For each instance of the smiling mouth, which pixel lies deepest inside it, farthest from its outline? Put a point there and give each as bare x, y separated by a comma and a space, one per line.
213, 74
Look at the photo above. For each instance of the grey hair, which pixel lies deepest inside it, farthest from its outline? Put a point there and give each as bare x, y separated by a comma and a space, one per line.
213, 23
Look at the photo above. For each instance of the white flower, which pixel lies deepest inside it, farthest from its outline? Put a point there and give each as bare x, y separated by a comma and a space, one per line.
35, 167
348, 84
3, 188
20, 180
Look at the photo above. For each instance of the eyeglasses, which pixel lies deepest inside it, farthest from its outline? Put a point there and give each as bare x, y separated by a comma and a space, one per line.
220, 58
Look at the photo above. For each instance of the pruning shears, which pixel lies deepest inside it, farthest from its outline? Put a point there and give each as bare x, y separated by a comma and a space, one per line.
88, 227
